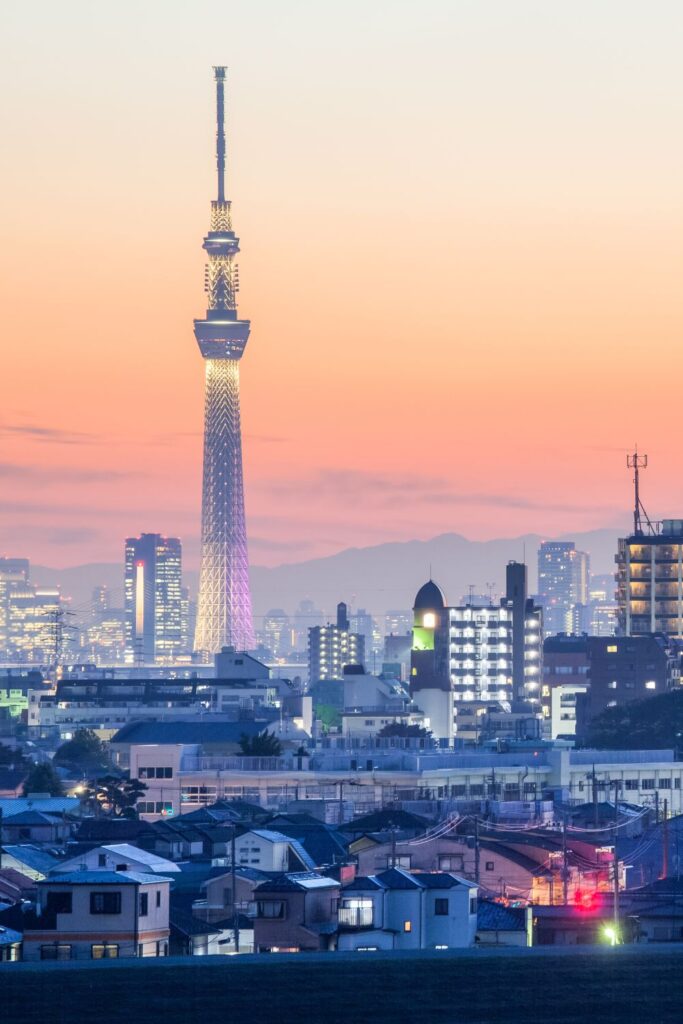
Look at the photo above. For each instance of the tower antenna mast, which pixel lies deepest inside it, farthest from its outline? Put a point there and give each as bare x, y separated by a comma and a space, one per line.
637, 462
219, 75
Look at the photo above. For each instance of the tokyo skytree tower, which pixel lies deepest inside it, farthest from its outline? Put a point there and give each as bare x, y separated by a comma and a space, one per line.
224, 604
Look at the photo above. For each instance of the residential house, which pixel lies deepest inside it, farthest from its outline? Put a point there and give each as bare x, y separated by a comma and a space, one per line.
29, 860
10, 945
296, 912
218, 901
399, 910
32, 826
502, 925
94, 915
117, 857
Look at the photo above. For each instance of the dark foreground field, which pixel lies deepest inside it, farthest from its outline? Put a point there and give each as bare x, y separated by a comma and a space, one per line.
540, 986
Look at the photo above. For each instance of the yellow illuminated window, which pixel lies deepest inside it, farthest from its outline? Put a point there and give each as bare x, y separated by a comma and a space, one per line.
407, 926
429, 620
612, 649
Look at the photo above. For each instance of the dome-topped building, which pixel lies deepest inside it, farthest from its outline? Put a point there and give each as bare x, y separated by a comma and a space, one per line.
430, 597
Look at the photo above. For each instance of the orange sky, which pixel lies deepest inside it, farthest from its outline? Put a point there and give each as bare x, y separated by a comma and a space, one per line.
462, 246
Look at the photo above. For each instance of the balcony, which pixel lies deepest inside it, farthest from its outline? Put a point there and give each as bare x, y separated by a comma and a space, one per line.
355, 917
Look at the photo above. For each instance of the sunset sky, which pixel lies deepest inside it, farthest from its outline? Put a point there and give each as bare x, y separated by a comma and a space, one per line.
461, 225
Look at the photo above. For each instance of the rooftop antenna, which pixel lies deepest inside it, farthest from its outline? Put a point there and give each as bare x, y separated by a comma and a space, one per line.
637, 462
219, 75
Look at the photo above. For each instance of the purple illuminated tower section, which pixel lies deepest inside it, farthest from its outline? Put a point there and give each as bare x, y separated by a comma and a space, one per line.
224, 603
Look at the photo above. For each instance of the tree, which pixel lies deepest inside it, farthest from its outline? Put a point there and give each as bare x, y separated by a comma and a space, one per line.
404, 731
650, 724
85, 751
113, 796
266, 744
11, 758
42, 778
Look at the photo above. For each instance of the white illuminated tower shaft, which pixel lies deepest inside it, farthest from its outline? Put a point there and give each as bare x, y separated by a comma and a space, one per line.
224, 604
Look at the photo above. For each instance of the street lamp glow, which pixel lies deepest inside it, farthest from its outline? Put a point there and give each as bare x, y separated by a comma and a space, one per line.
610, 934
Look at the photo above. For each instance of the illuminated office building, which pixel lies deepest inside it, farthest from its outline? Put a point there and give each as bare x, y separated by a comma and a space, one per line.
153, 599
563, 583
14, 575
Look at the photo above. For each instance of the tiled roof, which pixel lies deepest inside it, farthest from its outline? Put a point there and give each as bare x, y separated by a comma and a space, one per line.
105, 878
298, 881
189, 732
497, 917
32, 857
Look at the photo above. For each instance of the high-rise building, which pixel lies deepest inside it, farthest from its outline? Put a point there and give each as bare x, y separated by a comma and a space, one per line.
466, 653
153, 599
277, 632
14, 575
332, 647
563, 582
527, 633
224, 603
650, 580
35, 625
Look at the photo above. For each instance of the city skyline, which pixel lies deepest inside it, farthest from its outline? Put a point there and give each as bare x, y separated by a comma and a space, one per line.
544, 223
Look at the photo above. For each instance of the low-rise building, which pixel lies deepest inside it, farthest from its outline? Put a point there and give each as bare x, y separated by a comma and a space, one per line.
95, 915
296, 912
399, 910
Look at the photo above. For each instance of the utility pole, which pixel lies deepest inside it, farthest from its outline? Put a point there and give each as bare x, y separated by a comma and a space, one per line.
616, 888
565, 868
476, 849
594, 780
393, 846
665, 842
233, 880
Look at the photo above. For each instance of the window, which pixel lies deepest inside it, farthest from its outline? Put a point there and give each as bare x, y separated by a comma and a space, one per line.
650, 685
612, 649
407, 926
490, 865
158, 900
612, 685
271, 908
144, 904
105, 902
677, 782
473, 904
664, 784
647, 783
55, 951
104, 951
102, 860
59, 902
441, 907
449, 862
631, 784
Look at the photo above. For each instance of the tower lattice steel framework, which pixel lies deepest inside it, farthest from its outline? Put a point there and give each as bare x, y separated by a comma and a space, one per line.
224, 606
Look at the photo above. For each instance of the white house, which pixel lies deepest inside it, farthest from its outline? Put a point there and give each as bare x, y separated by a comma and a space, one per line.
399, 910
117, 857
269, 851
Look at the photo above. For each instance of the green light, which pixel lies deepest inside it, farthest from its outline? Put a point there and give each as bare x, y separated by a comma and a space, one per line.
611, 935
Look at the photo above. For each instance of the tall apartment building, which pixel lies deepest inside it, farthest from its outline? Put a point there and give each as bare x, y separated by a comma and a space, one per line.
563, 583
332, 647
153, 599
470, 652
650, 581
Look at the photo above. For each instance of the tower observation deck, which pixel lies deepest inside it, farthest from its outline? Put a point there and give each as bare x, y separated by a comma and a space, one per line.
224, 603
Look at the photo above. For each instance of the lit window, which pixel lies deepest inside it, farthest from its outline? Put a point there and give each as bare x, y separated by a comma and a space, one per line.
650, 685
612, 649
407, 926
429, 620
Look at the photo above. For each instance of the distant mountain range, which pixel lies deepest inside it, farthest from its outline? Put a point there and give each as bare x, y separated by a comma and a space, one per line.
378, 578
